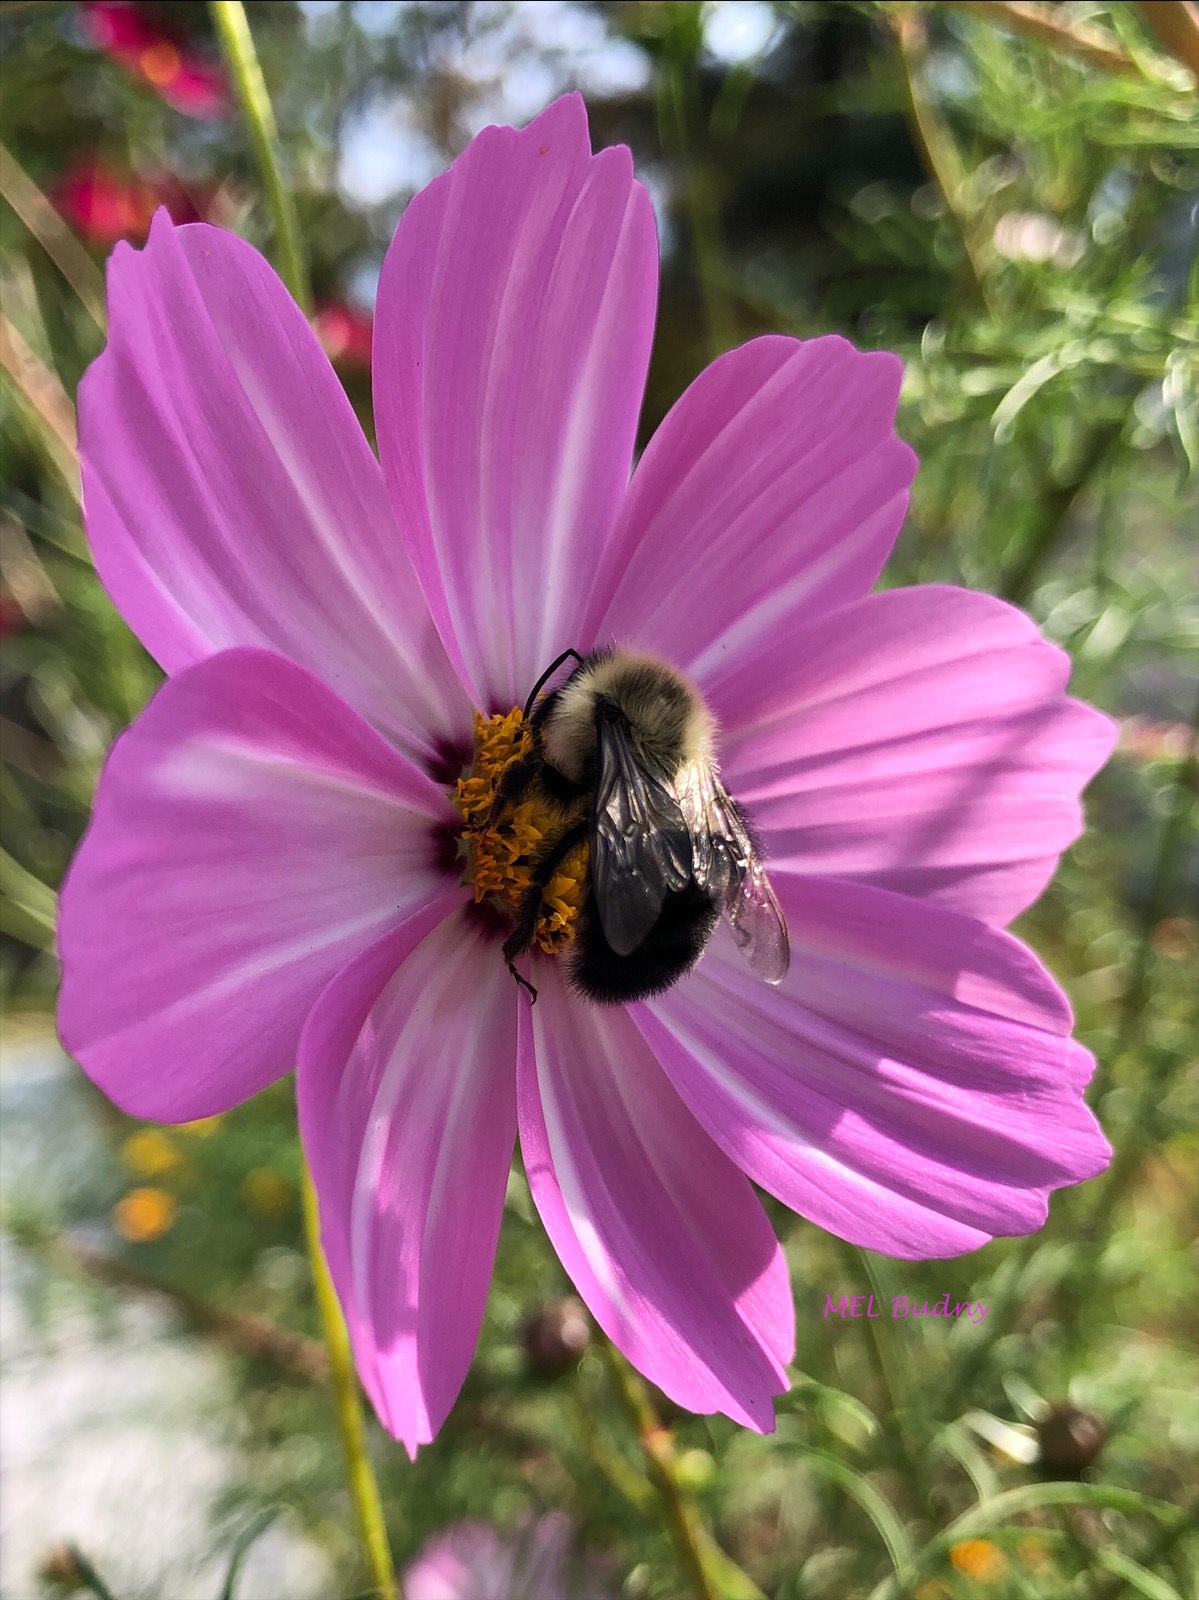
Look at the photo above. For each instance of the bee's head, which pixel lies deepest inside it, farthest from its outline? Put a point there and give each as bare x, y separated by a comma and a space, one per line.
666, 716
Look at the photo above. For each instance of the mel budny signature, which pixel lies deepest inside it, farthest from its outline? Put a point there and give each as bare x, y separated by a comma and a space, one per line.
864, 1305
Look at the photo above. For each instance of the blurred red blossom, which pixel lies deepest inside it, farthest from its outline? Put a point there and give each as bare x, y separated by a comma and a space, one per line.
345, 333
104, 204
132, 35
12, 617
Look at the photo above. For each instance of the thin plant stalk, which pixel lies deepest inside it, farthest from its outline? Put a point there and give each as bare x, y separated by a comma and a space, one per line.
1176, 24
52, 233
363, 1485
233, 30
1127, 1163
693, 1544
677, 119
938, 152
51, 415
1069, 36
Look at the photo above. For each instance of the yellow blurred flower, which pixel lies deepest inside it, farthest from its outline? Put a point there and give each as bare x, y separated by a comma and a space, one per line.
145, 1214
979, 1559
149, 1153
267, 1192
932, 1591
202, 1127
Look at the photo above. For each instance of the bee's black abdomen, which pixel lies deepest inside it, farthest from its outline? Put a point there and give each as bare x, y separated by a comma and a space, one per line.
673, 944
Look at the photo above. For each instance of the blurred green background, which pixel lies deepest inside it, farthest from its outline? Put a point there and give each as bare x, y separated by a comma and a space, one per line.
1005, 194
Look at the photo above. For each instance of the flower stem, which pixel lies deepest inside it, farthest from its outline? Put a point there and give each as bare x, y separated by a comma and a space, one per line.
233, 30
938, 152
710, 1572
363, 1487
237, 44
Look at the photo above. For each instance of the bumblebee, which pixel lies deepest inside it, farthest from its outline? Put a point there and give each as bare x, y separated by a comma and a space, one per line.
623, 751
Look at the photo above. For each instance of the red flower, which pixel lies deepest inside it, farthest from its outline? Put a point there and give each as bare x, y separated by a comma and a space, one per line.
104, 205
156, 55
345, 333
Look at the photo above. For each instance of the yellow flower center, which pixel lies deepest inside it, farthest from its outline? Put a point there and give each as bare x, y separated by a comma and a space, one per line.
505, 843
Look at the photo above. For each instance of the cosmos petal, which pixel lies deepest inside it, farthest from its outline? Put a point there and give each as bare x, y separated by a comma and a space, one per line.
408, 1113
772, 492
230, 496
251, 835
911, 1086
919, 740
512, 336
661, 1235
474, 1561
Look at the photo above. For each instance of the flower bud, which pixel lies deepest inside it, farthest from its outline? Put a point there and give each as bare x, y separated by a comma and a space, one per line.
556, 1334
1071, 1439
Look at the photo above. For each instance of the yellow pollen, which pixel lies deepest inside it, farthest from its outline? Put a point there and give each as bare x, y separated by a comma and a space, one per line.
504, 848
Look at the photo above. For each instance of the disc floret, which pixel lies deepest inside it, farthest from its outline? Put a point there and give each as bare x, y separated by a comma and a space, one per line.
505, 842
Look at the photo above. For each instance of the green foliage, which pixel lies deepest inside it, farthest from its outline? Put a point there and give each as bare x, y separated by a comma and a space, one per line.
1020, 225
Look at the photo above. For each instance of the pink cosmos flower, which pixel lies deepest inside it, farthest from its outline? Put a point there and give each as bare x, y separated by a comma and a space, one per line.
474, 1561
270, 879
130, 34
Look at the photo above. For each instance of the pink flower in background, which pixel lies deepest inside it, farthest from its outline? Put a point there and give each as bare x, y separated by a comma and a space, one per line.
131, 34
344, 333
270, 879
103, 204
474, 1561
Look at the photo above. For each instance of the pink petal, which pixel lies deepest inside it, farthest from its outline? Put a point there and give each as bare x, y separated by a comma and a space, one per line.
772, 493
662, 1236
407, 1103
910, 1087
920, 740
466, 1561
512, 336
231, 497
251, 835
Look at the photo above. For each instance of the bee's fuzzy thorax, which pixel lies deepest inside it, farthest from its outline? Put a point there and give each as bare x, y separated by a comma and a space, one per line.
665, 712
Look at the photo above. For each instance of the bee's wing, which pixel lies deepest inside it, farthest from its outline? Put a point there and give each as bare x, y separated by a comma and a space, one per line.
726, 863
640, 845
758, 924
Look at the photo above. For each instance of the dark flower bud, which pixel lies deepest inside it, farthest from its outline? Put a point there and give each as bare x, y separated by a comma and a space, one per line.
1071, 1439
60, 1567
556, 1334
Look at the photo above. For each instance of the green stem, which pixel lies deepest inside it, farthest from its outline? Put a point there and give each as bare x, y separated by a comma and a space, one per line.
691, 1540
1080, 1268
935, 144
1056, 504
52, 233
881, 1343
1153, 1558
363, 1487
981, 1521
677, 120
233, 30
1126, 1165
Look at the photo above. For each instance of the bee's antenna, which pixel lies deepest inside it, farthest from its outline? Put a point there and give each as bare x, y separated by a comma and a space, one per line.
547, 675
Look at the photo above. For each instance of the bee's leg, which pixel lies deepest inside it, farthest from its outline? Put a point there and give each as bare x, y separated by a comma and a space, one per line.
521, 936
524, 983
517, 778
